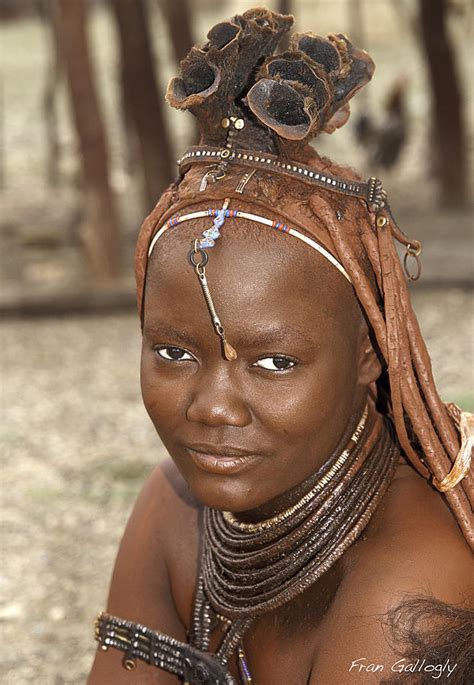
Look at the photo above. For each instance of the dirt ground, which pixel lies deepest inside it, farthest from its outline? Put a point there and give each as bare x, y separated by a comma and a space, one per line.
78, 445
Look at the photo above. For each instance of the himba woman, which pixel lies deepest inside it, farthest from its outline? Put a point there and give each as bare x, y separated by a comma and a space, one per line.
311, 527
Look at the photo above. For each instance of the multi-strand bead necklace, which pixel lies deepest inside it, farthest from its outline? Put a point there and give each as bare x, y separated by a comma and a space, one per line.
249, 569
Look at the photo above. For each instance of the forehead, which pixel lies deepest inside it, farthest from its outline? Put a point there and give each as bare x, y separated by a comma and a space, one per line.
256, 276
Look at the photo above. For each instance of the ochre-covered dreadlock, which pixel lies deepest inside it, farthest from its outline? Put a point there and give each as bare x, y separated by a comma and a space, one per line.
259, 111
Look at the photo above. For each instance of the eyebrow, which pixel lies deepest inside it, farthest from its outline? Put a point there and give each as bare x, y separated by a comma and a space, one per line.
163, 329
270, 335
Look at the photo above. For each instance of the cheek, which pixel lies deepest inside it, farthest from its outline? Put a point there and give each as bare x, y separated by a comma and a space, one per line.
164, 399
308, 414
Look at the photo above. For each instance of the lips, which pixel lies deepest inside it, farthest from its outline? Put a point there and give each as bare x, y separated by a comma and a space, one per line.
222, 460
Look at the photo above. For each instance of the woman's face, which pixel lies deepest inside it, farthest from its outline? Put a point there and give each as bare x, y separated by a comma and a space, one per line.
246, 433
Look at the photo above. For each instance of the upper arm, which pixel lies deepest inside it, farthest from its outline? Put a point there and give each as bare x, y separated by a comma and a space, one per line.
421, 568
140, 589
371, 641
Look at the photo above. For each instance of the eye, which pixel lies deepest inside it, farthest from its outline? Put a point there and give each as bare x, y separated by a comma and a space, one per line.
276, 363
174, 354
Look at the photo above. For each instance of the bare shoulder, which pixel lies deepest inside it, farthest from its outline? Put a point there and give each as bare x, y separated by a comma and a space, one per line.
411, 556
161, 531
415, 539
155, 566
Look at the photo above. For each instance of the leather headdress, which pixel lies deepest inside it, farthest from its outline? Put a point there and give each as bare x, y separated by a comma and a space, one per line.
257, 113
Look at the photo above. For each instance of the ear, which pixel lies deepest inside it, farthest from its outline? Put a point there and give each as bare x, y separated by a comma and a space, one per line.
369, 365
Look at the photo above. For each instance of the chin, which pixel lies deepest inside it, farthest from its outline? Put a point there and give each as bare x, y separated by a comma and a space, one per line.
225, 493
227, 484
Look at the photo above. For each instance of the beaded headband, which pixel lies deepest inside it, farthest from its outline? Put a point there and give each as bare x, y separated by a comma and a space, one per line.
198, 257
211, 234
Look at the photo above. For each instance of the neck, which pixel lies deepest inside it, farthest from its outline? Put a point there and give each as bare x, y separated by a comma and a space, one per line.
249, 568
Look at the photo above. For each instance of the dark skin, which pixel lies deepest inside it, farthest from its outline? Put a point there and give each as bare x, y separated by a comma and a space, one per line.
299, 383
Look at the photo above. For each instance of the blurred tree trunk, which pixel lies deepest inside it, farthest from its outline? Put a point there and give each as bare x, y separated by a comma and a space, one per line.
177, 14
285, 7
178, 18
3, 175
131, 152
142, 102
448, 134
100, 232
50, 90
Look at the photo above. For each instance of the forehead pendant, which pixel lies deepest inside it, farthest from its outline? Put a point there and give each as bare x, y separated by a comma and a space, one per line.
198, 259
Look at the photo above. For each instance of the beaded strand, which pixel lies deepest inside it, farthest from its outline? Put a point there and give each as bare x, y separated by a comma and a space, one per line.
200, 154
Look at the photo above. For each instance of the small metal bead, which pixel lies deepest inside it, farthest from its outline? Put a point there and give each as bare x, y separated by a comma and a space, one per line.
129, 664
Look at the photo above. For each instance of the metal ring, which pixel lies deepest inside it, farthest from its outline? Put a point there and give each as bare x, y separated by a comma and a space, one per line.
415, 254
416, 251
129, 664
194, 252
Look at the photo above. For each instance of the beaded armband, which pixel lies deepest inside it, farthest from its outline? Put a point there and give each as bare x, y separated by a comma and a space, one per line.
159, 650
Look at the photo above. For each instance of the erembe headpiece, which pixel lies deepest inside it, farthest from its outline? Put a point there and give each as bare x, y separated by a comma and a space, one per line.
257, 113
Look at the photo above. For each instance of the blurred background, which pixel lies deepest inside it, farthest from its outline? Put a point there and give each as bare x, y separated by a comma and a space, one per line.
87, 144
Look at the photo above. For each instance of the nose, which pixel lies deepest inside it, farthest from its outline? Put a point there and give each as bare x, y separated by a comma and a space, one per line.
217, 399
